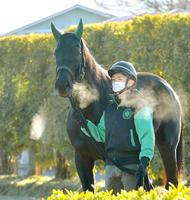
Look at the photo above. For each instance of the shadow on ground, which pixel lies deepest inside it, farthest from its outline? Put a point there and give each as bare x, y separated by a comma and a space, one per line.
33, 187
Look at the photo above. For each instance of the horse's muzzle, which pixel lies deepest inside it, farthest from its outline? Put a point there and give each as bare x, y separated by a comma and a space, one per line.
63, 94
64, 82
63, 91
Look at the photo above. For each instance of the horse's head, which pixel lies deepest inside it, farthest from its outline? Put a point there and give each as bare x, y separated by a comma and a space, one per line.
69, 59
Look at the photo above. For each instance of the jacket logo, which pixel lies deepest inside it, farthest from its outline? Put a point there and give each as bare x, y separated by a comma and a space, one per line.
127, 113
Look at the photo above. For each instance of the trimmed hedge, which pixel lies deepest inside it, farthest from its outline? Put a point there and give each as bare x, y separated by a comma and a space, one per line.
158, 44
182, 192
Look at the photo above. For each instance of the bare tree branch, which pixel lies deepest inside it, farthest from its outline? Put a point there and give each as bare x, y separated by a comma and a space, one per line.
184, 4
108, 5
156, 5
123, 2
153, 4
167, 5
102, 4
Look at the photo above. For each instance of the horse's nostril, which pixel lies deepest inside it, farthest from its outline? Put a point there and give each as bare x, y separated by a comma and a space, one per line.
67, 84
63, 86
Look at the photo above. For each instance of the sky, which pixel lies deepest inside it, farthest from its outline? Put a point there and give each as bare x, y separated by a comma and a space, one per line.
17, 13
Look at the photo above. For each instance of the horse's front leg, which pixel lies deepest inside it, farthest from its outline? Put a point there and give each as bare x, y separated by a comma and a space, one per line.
84, 168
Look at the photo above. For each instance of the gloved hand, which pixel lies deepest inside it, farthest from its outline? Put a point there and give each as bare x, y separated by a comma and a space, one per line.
142, 171
77, 116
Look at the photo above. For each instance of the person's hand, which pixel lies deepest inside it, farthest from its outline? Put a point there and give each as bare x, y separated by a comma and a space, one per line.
142, 171
77, 116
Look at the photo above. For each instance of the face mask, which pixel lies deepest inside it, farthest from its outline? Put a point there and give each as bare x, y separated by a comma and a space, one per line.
117, 86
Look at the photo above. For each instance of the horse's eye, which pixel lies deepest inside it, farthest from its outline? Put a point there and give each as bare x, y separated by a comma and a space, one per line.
76, 51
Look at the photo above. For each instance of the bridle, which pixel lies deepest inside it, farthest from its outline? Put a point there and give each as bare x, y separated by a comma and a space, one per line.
80, 69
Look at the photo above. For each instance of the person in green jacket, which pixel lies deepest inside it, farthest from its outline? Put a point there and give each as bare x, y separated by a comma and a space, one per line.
126, 128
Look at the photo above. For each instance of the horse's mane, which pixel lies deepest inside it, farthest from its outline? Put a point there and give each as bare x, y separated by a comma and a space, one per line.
93, 67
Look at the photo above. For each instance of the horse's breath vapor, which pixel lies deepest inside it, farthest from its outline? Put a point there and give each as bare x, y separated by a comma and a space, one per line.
164, 112
37, 126
137, 100
84, 94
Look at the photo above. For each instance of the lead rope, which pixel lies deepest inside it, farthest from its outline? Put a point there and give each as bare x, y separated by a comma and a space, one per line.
100, 151
147, 184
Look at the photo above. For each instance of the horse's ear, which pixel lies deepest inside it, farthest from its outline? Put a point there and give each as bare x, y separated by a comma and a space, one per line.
55, 32
79, 30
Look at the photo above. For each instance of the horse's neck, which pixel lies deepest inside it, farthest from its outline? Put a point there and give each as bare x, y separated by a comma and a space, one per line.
95, 75
99, 79
94, 88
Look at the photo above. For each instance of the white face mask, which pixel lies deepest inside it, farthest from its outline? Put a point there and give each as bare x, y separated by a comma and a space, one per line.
117, 86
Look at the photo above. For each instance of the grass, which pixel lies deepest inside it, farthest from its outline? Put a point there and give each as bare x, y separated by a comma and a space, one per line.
35, 186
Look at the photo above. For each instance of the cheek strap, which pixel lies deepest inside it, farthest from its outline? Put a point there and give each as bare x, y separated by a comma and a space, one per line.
82, 65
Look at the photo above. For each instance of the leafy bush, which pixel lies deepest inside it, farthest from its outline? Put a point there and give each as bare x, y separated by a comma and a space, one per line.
182, 192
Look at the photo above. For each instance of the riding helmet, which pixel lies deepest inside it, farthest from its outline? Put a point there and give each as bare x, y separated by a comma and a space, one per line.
125, 68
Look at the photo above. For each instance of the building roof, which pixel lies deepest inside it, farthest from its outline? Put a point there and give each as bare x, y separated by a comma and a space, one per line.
77, 6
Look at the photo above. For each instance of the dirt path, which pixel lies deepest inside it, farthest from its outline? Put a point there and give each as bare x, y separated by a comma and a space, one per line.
17, 198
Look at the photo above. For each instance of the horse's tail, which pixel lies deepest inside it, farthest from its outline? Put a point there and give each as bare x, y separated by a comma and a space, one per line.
180, 153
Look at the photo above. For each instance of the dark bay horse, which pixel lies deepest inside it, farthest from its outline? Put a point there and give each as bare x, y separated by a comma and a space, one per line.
75, 65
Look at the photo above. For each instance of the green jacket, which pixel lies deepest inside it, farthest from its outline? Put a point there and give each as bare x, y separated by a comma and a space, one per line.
143, 120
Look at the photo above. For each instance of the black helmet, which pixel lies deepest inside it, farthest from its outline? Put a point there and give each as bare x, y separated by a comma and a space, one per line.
125, 68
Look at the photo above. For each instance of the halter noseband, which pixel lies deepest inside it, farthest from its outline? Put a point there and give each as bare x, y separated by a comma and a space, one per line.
64, 67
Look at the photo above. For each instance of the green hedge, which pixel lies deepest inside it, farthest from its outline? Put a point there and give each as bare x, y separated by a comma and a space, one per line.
159, 44
182, 192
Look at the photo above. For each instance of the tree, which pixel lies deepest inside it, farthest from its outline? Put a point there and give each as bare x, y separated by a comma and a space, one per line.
122, 6
167, 5
156, 5
109, 5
